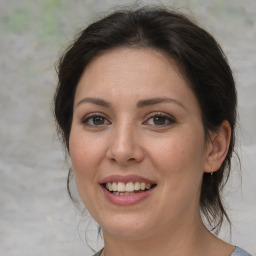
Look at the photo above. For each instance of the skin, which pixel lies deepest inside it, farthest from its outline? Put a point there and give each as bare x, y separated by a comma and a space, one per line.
128, 140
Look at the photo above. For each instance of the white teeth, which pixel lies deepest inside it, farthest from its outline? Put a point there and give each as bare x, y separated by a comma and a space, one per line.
137, 185
114, 186
129, 187
109, 186
148, 186
121, 187
142, 186
126, 188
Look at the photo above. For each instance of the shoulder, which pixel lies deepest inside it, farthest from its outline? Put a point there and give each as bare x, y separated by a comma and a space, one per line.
240, 252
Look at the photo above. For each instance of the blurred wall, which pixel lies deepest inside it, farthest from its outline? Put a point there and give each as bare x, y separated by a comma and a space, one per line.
36, 216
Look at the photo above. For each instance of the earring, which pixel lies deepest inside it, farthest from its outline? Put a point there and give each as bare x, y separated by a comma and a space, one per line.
211, 173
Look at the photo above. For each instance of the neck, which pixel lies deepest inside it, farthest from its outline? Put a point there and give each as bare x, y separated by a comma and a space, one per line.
179, 240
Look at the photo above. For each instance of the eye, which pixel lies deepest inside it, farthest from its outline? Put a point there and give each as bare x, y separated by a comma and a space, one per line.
95, 120
159, 119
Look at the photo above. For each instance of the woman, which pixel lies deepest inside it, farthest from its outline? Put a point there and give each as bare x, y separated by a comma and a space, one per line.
146, 106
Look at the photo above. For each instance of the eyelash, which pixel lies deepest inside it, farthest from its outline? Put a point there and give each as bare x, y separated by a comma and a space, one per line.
169, 118
86, 119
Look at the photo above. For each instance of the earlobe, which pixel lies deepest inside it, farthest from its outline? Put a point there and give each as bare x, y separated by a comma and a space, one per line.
218, 147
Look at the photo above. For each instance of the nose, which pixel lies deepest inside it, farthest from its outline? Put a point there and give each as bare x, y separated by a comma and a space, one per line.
125, 146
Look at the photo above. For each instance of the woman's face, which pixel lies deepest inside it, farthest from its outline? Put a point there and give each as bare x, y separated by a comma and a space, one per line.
137, 130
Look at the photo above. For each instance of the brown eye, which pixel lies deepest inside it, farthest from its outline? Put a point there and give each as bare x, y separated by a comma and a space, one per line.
160, 120
95, 120
98, 120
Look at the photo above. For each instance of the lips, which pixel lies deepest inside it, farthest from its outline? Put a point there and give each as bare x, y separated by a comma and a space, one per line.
127, 190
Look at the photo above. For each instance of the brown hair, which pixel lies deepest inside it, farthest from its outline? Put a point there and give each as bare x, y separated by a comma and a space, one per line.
199, 57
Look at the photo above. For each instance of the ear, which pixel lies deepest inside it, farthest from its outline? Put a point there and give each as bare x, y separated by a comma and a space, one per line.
217, 147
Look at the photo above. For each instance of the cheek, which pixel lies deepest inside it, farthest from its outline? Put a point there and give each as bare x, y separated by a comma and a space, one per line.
179, 159
178, 152
180, 164
85, 151
85, 156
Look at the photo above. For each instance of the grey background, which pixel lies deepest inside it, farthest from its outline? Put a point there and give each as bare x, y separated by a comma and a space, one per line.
36, 215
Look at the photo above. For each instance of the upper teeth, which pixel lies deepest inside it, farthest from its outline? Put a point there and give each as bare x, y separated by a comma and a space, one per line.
127, 187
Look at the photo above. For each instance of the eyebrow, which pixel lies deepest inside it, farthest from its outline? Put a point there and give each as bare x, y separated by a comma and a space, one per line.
154, 101
140, 104
96, 101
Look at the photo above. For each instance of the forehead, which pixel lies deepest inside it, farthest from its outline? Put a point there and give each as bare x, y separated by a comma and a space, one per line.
132, 72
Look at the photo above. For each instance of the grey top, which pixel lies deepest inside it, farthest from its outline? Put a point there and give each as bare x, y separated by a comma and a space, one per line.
237, 252
240, 252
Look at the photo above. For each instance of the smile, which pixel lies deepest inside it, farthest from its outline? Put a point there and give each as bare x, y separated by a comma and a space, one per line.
127, 189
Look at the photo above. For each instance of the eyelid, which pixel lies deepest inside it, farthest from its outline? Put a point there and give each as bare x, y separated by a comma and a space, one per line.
162, 114
157, 113
86, 117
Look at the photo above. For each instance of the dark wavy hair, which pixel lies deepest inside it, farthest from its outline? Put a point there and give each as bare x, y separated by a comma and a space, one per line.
200, 60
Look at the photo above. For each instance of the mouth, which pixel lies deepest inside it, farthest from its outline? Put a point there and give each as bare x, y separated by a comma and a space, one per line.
127, 189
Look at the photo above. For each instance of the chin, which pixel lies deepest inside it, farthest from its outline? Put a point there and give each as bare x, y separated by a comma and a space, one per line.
131, 233
127, 227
